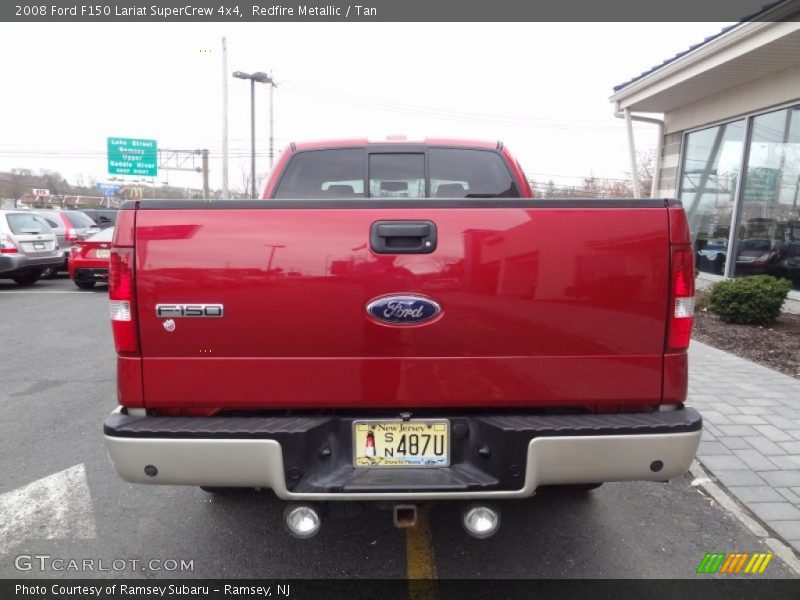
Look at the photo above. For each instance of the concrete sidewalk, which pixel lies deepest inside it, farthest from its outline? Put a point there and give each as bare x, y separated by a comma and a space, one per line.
751, 437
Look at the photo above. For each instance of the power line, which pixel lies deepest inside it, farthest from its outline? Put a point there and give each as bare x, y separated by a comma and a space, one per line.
437, 112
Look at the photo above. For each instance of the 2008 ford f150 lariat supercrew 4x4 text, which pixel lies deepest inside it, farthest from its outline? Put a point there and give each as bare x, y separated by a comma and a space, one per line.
401, 322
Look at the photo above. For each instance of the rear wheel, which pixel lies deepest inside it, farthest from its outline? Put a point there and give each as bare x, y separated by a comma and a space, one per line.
85, 285
28, 278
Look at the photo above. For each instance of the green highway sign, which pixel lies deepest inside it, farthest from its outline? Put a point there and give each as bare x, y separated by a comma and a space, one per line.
128, 156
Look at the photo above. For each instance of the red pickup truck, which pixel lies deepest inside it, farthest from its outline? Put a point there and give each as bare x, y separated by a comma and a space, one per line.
401, 322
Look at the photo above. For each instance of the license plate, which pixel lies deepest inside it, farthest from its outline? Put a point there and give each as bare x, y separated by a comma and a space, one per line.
416, 443
38, 246
103, 253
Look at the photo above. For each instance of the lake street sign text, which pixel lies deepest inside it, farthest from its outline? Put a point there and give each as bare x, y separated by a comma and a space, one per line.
129, 156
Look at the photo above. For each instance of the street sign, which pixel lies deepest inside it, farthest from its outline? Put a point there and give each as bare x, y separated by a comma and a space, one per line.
39, 193
109, 189
129, 156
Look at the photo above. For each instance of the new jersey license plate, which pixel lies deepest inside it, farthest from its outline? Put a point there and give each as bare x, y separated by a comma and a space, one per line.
415, 443
103, 253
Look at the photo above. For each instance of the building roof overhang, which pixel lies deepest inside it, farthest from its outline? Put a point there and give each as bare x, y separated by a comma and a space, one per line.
740, 54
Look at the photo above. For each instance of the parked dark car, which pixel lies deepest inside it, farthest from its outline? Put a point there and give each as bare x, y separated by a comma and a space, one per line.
757, 256
790, 264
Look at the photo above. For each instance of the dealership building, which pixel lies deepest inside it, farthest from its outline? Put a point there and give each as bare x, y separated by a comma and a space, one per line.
728, 112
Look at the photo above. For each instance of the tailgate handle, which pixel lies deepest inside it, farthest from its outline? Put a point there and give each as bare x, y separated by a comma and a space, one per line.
403, 237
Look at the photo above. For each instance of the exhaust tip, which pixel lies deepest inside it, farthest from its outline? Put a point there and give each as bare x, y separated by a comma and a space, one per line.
405, 515
481, 521
303, 521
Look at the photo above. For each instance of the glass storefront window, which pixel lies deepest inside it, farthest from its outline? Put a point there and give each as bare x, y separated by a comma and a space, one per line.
711, 164
769, 224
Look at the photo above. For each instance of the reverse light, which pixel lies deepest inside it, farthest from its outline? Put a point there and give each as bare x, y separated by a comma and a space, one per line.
119, 310
122, 301
7, 245
681, 298
684, 307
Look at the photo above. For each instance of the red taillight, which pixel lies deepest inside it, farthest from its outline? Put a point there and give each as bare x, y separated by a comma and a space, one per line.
681, 302
122, 307
7, 245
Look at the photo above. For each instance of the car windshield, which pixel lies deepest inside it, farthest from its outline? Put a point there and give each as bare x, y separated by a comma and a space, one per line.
79, 220
27, 223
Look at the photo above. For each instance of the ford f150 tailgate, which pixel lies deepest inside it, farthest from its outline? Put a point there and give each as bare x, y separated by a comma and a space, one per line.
267, 304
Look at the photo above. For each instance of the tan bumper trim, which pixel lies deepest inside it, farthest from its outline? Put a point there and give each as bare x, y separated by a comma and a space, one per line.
259, 463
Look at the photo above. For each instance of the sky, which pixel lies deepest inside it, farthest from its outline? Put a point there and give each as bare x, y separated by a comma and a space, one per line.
541, 88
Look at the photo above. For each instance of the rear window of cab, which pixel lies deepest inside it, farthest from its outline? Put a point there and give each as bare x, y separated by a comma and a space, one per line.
343, 173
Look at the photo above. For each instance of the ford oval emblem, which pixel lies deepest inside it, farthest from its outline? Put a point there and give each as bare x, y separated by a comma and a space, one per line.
403, 310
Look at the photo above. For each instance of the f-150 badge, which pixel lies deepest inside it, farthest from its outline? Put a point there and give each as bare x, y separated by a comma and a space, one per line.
172, 311
403, 310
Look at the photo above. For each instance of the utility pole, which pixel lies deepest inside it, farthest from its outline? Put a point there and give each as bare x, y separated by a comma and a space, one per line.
252, 138
272, 87
225, 190
205, 175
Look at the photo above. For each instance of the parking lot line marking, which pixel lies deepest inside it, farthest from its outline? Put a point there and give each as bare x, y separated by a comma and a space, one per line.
56, 506
420, 565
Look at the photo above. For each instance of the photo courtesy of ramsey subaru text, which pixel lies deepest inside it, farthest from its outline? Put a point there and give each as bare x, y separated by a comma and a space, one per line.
401, 322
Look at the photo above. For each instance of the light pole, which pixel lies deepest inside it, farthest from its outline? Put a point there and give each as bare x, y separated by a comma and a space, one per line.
260, 78
272, 254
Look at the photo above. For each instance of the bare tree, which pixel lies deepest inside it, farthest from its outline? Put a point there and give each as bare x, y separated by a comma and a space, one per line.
245, 189
646, 165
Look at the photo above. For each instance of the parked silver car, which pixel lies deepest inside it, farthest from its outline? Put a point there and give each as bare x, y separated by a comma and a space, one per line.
27, 246
70, 227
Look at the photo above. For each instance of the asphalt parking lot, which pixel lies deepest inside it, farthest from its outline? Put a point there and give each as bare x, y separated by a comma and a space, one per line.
60, 497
